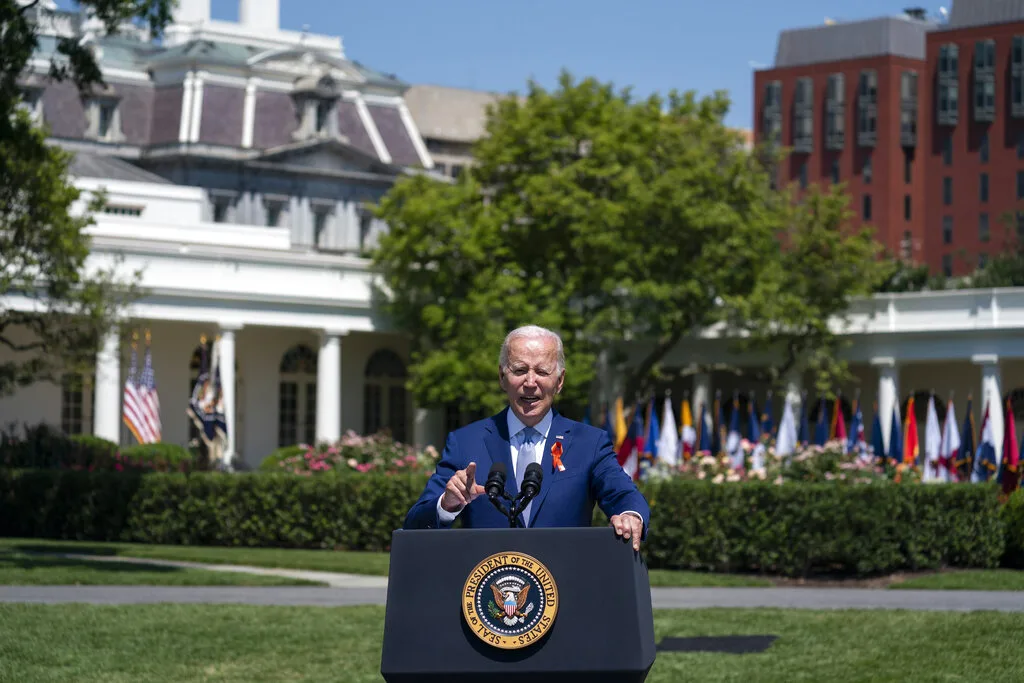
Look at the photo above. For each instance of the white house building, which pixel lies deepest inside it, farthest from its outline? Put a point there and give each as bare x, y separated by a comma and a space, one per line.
239, 160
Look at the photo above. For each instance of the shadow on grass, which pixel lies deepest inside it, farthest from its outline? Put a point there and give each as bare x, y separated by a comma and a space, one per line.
22, 558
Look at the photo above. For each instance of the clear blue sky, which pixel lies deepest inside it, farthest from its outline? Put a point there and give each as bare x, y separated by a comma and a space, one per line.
651, 45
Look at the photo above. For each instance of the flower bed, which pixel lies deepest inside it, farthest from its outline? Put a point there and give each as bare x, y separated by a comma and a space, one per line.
353, 453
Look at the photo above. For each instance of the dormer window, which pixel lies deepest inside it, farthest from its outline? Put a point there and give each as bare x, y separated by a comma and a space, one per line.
323, 117
316, 107
104, 120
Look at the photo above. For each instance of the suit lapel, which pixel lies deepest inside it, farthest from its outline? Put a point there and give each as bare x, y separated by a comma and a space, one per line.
497, 443
561, 431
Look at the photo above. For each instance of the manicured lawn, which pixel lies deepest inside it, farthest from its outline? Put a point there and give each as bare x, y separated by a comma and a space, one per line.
23, 569
318, 560
376, 564
165, 643
974, 579
682, 579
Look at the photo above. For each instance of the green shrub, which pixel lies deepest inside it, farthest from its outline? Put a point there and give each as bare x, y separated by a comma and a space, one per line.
46, 447
792, 529
274, 461
1013, 519
159, 457
804, 529
376, 453
356, 512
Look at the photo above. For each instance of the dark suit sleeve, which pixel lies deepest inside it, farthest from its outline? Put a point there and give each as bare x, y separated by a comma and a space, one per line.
423, 514
612, 488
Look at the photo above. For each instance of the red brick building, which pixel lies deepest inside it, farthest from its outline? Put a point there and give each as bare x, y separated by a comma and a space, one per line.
845, 99
923, 121
976, 149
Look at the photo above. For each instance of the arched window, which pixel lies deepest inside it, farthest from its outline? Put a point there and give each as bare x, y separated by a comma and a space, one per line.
296, 402
384, 396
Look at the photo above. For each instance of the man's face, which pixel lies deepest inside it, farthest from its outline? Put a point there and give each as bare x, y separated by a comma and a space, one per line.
531, 379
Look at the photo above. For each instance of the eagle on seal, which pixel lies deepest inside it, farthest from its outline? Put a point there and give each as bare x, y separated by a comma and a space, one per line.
510, 602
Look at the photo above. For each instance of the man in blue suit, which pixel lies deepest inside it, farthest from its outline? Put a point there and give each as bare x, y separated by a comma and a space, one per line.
531, 370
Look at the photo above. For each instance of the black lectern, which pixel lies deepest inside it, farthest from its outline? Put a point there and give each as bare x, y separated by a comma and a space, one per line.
548, 604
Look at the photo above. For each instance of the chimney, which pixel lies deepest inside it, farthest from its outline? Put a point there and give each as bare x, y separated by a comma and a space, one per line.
262, 16
192, 12
918, 13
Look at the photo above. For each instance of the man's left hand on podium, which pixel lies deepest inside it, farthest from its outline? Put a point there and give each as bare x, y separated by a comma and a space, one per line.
628, 525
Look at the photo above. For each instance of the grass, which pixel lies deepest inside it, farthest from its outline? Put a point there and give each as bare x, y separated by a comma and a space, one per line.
975, 579
170, 643
375, 564
24, 569
667, 578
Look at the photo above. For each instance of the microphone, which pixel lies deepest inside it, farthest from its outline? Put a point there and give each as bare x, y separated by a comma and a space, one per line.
532, 477
495, 488
495, 485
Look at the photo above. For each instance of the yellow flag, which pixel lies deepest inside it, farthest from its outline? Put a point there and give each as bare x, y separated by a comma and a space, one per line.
687, 416
620, 423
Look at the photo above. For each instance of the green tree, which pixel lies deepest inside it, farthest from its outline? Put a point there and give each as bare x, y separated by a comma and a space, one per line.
611, 220
54, 310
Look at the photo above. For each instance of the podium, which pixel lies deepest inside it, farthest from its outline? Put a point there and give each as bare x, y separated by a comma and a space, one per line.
570, 604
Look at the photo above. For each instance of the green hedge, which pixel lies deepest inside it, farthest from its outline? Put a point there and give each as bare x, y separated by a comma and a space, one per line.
160, 457
793, 529
272, 463
1013, 518
43, 446
354, 512
804, 529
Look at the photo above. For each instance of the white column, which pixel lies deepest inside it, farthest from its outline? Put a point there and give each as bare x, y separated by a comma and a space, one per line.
701, 395
107, 406
249, 113
427, 428
196, 115
227, 379
328, 387
185, 124
992, 398
888, 393
794, 393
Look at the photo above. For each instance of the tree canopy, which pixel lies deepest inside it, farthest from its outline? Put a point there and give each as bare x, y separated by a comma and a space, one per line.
53, 312
612, 220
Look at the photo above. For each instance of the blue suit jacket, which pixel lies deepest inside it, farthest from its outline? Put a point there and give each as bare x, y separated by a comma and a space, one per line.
592, 475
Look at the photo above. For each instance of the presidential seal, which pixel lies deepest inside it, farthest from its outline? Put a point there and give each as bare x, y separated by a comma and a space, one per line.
510, 600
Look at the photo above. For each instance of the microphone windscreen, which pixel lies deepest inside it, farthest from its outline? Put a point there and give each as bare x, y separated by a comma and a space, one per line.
497, 468
534, 471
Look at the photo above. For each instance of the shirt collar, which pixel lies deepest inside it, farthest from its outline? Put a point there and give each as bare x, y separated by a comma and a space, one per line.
515, 425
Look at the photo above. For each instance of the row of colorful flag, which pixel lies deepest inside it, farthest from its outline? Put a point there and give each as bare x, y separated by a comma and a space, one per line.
141, 400
948, 453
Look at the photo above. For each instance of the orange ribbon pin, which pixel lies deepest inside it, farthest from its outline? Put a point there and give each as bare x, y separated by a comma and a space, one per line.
556, 456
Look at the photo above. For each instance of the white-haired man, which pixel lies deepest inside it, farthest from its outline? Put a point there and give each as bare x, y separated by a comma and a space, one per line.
578, 461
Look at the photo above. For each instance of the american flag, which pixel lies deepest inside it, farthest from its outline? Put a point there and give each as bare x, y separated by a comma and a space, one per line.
141, 401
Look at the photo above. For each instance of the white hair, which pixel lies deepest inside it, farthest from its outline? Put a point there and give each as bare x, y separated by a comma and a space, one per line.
532, 332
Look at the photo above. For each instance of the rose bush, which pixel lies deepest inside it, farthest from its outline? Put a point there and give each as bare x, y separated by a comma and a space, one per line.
355, 453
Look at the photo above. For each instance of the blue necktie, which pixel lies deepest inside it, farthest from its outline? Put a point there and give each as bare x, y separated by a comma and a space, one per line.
530, 436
